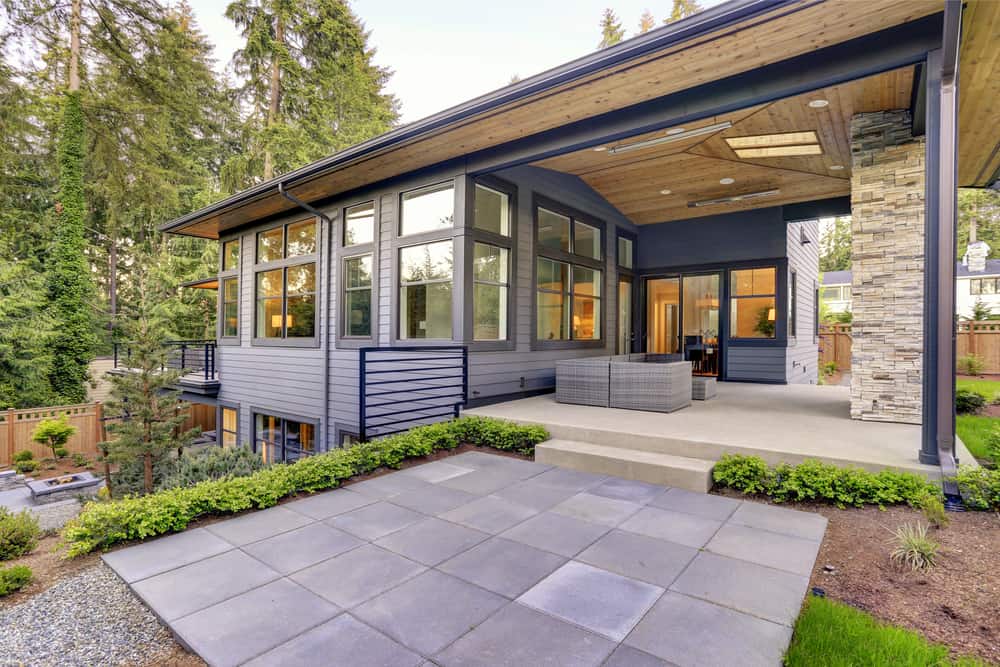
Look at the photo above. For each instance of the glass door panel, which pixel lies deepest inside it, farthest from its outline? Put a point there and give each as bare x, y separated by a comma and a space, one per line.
701, 323
624, 315
663, 316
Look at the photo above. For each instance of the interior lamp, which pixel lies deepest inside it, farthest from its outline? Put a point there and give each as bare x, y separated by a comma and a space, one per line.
770, 314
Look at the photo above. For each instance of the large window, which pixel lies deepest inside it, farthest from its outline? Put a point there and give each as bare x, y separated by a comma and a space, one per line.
279, 440
358, 296
490, 271
359, 224
425, 288
984, 286
229, 430
568, 277
428, 209
285, 282
752, 303
626, 250
230, 307
492, 211
231, 255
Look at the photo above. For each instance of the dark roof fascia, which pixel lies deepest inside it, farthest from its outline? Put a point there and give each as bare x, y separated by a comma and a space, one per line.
693, 26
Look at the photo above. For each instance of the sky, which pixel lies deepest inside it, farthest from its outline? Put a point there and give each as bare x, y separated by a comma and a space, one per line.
444, 52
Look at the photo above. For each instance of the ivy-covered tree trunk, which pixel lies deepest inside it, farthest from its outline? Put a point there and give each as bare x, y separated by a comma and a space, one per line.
67, 269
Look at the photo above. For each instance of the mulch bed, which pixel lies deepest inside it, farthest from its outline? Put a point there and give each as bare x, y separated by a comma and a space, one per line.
955, 603
48, 468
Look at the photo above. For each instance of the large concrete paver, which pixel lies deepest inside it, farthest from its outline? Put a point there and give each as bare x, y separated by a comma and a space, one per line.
499, 562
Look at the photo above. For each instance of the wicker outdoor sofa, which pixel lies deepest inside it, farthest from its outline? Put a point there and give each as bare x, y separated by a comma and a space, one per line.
658, 383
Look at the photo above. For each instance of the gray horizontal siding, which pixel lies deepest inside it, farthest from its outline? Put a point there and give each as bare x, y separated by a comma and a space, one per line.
756, 363
802, 357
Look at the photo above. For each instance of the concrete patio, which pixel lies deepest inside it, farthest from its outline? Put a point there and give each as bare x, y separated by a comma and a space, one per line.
780, 423
480, 559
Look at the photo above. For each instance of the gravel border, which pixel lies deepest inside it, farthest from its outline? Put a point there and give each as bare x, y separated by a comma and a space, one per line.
88, 619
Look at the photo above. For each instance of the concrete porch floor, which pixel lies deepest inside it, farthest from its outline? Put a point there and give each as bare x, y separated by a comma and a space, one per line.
787, 423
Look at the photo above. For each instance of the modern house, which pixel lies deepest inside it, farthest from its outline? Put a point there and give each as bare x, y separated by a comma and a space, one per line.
660, 196
835, 291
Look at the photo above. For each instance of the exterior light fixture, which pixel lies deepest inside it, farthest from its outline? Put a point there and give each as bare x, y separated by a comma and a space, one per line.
836, 167
819, 104
600, 148
733, 199
726, 181
665, 191
675, 130
670, 138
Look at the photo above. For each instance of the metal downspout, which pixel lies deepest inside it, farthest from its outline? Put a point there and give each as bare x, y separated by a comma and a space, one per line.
328, 266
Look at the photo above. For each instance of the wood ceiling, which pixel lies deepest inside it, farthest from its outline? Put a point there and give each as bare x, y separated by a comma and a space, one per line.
978, 94
691, 168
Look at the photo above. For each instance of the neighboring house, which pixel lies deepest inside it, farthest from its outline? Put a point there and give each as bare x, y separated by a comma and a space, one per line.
660, 195
835, 291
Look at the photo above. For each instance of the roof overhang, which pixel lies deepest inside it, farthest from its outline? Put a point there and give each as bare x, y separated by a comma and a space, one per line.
724, 41
204, 283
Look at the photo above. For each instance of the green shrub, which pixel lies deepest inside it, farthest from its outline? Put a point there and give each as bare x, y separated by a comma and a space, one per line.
913, 548
54, 434
102, 524
61, 452
993, 443
24, 467
970, 364
18, 533
79, 459
821, 482
980, 487
746, 474
14, 578
23, 455
933, 508
968, 402
210, 463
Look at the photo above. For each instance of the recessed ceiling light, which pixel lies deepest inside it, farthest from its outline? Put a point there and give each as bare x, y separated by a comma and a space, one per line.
727, 181
665, 192
836, 167
676, 130
819, 104
600, 148
779, 151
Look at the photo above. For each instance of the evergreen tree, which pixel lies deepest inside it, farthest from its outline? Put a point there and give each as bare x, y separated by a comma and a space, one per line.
310, 88
151, 412
983, 207
682, 9
835, 245
646, 22
612, 31
25, 357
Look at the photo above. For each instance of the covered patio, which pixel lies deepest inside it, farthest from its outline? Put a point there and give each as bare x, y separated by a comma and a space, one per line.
780, 423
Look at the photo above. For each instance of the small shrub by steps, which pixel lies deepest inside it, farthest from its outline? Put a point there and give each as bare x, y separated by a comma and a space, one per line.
103, 524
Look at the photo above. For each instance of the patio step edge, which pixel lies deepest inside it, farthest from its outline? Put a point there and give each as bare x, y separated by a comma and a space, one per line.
681, 472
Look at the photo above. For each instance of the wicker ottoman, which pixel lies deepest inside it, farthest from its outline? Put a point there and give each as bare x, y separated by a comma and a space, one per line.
583, 381
703, 388
657, 387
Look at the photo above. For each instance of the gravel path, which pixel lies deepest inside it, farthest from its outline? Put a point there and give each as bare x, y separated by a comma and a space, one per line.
88, 619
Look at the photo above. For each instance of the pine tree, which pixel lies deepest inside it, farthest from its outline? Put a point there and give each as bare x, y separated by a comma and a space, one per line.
612, 31
983, 207
646, 22
310, 88
151, 412
682, 9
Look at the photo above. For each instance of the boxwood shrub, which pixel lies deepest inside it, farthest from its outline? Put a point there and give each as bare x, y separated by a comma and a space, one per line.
821, 482
103, 524
14, 578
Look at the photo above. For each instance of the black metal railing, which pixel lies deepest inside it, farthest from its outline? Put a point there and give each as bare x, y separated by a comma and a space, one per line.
190, 357
403, 387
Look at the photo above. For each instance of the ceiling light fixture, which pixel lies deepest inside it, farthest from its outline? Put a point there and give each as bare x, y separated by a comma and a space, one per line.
600, 148
779, 151
675, 130
733, 199
819, 104
686, 134
665, 192
726, 181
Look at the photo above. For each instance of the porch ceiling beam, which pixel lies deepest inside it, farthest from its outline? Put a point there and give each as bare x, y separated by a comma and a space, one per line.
886, 50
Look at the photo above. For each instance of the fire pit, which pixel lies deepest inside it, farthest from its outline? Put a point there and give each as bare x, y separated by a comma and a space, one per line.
63, 487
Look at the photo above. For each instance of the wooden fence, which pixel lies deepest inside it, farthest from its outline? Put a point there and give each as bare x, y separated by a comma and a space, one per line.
835, 345
16, 427
982, 339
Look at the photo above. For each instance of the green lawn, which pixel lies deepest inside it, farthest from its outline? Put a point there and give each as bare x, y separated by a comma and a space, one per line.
831, 634
972, 429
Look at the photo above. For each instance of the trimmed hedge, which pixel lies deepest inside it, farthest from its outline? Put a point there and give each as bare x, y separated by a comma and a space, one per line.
822, 482
980, 487
101, 525
14, 578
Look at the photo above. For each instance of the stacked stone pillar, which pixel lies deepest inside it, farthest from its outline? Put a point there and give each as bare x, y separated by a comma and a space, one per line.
887, 247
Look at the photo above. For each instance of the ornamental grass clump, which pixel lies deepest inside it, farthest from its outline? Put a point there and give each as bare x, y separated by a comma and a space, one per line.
913, 549
103, 524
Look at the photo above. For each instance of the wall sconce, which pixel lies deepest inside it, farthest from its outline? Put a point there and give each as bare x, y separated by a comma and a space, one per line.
803, 239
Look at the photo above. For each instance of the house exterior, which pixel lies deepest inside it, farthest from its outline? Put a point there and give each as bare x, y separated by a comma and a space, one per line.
658, 196
835, 292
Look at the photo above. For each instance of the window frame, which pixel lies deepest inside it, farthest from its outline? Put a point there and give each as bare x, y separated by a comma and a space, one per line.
793, 306
780, 328
475, 235
284, 264
572, 259
285, 418
342, 235
430, 187
398, 286
346, 252
220, 423
220, 309
344, 289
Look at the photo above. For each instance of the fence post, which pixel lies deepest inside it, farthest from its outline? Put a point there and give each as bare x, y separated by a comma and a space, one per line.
10, 435
98, 424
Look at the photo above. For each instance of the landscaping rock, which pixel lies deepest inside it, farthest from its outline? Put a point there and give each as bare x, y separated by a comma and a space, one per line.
88, 619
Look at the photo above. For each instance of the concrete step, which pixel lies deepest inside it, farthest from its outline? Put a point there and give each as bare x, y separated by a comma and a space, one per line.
636, 440
654, 467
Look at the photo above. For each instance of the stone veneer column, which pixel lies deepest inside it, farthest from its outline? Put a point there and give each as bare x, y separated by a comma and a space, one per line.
887, 249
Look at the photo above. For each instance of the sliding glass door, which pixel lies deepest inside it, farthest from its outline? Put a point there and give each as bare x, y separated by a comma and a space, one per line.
663, 299
682, 317
624, 315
